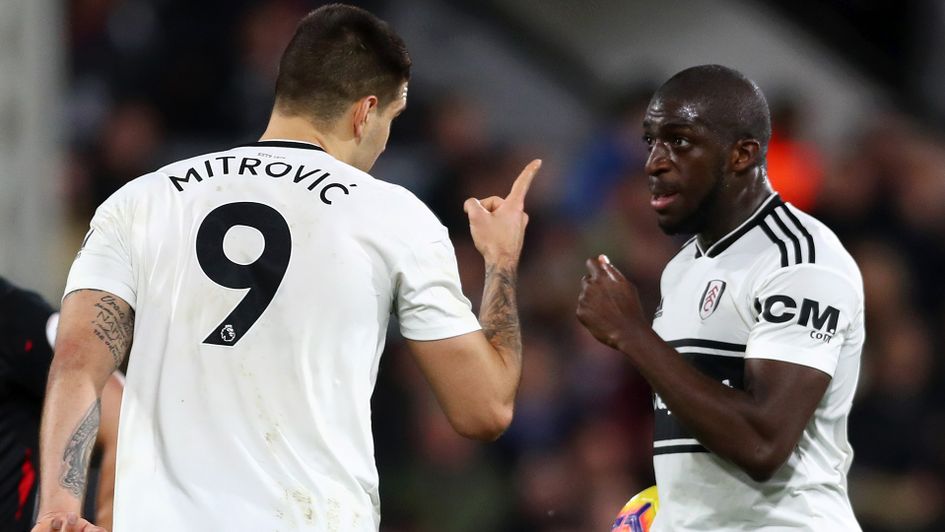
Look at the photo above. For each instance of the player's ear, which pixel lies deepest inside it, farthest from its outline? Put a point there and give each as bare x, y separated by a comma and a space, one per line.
745, 154
363, 110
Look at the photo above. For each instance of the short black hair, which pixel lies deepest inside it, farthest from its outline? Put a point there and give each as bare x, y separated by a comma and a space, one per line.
338, 55
733, 105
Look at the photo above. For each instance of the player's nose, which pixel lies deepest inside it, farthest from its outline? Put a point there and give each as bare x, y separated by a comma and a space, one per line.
657, 162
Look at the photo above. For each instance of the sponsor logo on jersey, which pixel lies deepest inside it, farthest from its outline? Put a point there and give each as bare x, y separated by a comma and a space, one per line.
659, 310
781, 309
711, 298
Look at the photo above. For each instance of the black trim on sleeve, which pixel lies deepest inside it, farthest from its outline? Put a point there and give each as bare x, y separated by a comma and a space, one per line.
781, 247
799, 225
798, 258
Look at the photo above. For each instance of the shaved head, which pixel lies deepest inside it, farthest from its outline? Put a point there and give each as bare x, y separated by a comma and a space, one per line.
727, 102
707, 130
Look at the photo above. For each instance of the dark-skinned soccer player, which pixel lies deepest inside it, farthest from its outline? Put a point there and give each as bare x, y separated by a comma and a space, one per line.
753, 354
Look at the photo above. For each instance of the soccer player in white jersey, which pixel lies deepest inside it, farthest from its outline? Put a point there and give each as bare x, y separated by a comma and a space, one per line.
253, 289
754, 352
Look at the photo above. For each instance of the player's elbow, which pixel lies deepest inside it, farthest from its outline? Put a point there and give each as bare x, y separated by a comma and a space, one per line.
764, 462
486, 425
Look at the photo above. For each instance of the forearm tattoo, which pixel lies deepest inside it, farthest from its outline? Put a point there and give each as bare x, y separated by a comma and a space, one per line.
75, 466
114, 327
499, 312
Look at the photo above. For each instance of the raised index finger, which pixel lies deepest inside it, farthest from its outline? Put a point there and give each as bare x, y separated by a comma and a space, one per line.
522, 182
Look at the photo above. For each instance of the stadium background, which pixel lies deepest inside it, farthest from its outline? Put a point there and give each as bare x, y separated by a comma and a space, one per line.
95, 92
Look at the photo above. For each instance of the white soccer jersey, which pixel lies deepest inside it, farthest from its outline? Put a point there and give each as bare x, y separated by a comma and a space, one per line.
780, 287
262, 278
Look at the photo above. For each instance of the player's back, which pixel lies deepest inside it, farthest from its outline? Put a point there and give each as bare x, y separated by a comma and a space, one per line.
264, 277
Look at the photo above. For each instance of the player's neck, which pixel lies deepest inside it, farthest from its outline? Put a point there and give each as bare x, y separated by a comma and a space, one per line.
333, 140
282, 127
733, 209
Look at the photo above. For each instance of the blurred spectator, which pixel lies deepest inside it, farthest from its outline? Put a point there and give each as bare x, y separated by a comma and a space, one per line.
265, 30
609, 158
450, 484
129, 145
794, 165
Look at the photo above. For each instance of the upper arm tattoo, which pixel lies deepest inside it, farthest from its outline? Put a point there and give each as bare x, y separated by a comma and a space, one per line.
75, 467
499, 312
114, 326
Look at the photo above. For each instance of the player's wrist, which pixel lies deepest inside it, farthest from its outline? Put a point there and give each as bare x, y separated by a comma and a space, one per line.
58, 506
504, 261
631, 337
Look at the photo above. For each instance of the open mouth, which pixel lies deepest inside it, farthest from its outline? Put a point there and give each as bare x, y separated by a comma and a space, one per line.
660, 201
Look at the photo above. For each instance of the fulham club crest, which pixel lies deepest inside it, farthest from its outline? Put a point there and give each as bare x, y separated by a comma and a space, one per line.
711, 298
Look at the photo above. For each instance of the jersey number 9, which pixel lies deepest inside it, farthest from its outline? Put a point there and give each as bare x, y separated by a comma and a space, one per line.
262, 277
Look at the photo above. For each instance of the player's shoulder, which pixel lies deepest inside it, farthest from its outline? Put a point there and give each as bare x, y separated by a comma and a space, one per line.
779, 236
158, 177
399, 205
802, 251
824, 246
181, 165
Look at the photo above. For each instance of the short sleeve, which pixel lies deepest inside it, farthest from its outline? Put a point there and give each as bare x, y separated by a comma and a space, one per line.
803, 316
104, 261
430, 304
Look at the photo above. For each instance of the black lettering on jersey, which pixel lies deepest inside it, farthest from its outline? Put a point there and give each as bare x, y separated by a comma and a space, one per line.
226, 162
271, 173
186, 179
276, 170
811, 309
245, 165
809, 313
298, 175
784, 314
329, 186
317, 181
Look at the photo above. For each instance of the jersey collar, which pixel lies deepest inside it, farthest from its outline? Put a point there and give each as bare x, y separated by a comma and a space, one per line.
284, 144
773, 201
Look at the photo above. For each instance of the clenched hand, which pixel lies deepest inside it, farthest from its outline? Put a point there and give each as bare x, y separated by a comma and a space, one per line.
609, 306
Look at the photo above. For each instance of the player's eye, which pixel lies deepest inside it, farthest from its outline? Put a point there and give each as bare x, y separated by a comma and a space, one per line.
648, 140
680, 142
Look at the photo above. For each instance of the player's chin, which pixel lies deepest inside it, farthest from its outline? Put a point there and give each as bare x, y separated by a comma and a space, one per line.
668, 224
678, 221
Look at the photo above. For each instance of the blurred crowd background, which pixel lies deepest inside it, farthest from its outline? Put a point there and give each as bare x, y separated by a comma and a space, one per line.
858, 117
